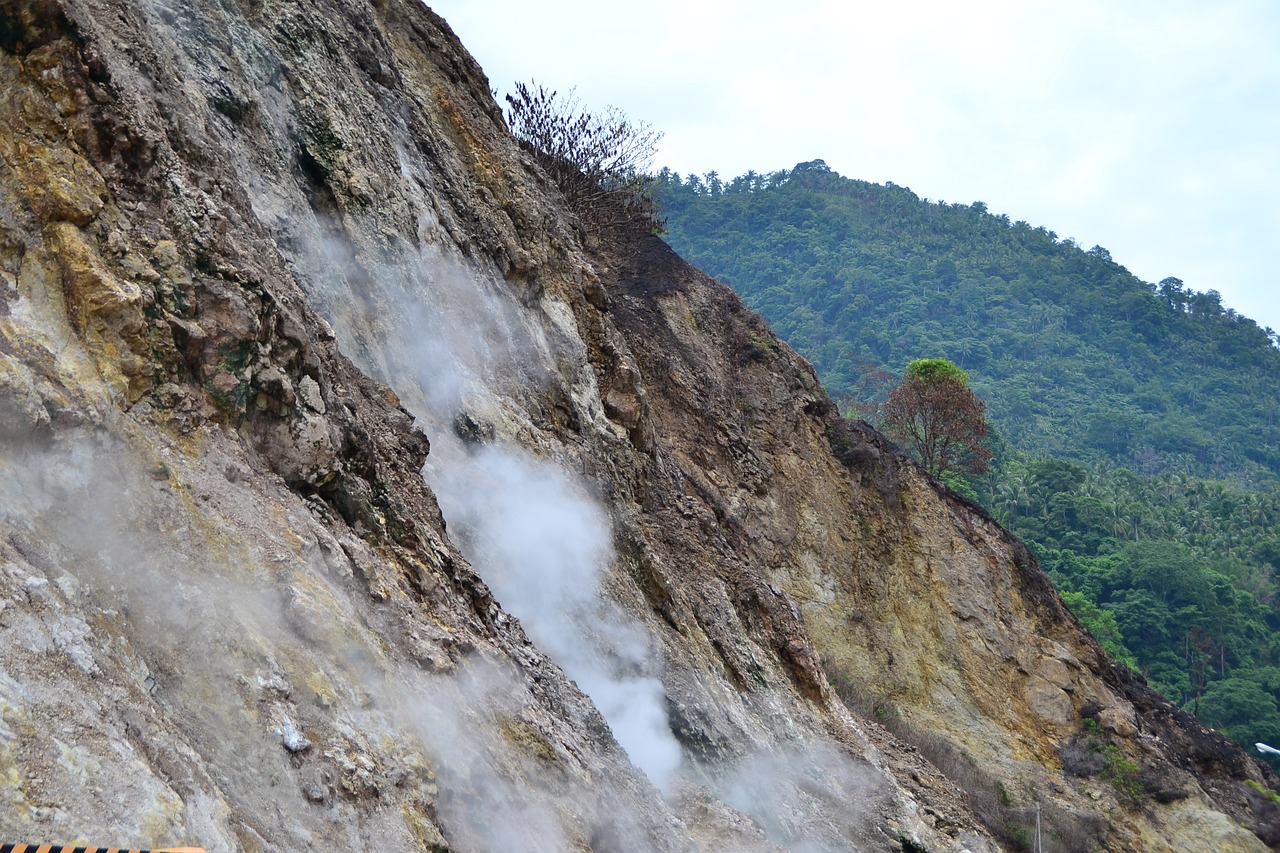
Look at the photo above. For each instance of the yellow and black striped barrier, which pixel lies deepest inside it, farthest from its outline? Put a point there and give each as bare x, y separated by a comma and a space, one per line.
67, 848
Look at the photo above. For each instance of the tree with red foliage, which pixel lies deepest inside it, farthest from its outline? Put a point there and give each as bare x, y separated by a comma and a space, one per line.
939, 419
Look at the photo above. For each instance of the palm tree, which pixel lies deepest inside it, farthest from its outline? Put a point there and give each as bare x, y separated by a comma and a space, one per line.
1117, 519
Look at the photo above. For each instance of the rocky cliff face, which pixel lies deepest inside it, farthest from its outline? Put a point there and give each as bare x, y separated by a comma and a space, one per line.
355, 497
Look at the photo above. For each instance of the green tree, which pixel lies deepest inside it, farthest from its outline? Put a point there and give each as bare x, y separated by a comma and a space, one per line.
1242, 709
1102, 624
939, 418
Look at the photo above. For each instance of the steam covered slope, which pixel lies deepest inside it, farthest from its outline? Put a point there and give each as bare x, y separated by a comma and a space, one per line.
235, 613
232, 613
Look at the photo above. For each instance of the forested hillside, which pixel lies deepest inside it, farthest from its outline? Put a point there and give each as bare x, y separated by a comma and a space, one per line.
1137, 426
1074, 355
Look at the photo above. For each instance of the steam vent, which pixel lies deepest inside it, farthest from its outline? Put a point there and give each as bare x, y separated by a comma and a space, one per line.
355, 496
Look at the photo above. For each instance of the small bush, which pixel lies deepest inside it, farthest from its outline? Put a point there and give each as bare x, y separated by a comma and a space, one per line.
1259, 788
598, 161
1123, 774
1089, 754
1080, 759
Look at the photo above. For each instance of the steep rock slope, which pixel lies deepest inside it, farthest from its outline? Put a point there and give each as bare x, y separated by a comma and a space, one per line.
234, 613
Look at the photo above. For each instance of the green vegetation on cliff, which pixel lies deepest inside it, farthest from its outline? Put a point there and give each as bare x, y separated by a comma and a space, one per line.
1136, 426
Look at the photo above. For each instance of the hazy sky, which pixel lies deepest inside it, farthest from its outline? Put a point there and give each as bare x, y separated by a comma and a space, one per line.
1149, 128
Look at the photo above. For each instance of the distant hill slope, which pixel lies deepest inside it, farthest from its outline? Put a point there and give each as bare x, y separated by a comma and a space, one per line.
1076, 356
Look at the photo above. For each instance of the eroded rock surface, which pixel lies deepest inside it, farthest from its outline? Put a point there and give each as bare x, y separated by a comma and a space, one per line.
264, 264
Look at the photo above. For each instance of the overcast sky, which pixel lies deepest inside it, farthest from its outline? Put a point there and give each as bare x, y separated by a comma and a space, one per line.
1149, 128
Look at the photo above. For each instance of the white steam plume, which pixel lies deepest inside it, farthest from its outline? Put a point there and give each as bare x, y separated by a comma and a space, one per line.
105, 534
810, 798
533, 534
459, 345
540, 545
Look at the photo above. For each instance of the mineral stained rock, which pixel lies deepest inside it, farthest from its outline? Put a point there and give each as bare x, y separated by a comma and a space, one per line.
355, 496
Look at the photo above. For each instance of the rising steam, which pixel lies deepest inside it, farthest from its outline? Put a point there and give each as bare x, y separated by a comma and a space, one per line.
220, 634
540, 544
533, 533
